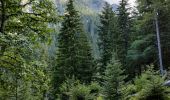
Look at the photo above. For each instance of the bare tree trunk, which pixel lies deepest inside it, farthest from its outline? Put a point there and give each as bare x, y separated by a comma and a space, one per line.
158, 43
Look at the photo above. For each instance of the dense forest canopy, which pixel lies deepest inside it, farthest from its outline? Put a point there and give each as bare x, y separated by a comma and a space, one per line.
84, 50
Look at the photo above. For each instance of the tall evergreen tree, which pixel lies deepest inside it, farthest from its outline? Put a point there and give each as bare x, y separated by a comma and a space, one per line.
106, 35
124, 31
113, 80
74, 56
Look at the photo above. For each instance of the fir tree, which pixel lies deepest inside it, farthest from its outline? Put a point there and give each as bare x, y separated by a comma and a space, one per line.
113, 80
124, 30
106, 35
74, 56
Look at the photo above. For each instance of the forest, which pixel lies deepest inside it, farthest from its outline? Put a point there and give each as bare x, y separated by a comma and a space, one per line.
84, 50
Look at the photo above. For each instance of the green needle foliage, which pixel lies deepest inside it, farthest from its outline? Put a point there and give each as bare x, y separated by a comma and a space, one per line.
72, 89
124, 29
148, 86
74, 57
113, 80
107, 31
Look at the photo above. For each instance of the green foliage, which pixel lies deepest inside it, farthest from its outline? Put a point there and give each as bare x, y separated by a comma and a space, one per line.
23, 75
30, 18
80, 92
148, 86
19, 74
107, 29
88, 11
74, 57
74, 90
143, 50
140, 53
113, 80
12, 63
26, 60
122, 38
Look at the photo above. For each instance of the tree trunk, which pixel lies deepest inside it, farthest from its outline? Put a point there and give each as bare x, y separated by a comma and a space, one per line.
158, 43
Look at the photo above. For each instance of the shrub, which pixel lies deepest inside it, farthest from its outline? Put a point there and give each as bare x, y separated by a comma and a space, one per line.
148, 86
72, 89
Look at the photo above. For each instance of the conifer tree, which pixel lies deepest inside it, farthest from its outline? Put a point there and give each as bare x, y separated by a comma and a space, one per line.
106, 35
124, 30
74, 56
113, 80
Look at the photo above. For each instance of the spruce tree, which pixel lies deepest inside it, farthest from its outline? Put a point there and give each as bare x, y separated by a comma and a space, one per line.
74, 56
106, 35
113, 80
124, 31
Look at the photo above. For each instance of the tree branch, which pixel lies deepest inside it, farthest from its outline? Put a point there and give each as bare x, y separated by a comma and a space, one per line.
28, 3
